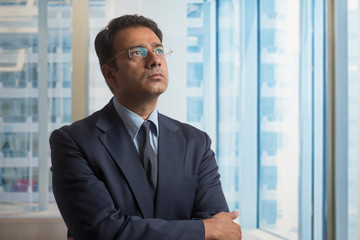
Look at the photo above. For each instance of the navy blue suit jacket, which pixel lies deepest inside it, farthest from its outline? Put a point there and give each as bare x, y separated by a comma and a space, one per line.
101, 188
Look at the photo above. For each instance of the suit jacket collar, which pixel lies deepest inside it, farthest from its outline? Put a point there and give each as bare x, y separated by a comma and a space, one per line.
171, 158
117, 141
171, 155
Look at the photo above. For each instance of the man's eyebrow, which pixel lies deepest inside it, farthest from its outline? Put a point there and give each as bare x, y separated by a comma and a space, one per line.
144, 46
156, 45
137, 46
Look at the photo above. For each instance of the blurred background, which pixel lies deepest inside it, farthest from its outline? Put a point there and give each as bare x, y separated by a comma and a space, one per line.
274, 83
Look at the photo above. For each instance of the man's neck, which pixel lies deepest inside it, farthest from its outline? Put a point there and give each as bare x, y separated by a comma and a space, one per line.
143, 108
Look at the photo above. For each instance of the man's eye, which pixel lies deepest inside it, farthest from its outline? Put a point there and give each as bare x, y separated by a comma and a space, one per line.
159, 51
138, 52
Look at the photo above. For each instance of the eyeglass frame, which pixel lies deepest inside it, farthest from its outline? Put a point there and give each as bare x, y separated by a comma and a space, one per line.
167, 52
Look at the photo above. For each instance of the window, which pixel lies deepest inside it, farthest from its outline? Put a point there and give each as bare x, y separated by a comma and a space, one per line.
279, 153
229, 84
99, 93
28, 72
353, 125
200, 72
257, 108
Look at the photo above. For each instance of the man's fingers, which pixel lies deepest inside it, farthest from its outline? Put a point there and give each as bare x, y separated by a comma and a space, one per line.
222, 226
234, 214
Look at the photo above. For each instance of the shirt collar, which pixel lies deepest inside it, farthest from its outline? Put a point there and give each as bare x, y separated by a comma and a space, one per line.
133, 121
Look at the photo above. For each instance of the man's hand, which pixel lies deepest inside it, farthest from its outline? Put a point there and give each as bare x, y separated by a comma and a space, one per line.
222, 226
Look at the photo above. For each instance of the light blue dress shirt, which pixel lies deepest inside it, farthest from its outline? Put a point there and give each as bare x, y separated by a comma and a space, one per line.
133, 123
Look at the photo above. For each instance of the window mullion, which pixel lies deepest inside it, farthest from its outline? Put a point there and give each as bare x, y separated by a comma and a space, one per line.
336, 120
43, 107
80, 61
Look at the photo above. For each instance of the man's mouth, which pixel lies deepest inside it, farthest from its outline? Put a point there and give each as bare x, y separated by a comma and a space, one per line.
156, 76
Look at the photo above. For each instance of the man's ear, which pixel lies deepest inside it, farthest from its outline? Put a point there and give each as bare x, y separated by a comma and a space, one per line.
109, 74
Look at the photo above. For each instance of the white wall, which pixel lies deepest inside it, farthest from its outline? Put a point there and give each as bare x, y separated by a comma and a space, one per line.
171, 18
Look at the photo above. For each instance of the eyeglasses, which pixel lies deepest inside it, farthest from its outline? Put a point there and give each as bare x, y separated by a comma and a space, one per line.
137, 53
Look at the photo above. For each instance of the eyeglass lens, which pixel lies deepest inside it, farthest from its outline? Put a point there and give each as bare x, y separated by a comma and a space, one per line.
140, 52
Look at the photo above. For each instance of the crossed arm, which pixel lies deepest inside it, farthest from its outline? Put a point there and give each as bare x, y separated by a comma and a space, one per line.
220, 226
75, 182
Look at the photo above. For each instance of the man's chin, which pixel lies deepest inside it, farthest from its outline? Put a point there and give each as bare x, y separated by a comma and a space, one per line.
158, 89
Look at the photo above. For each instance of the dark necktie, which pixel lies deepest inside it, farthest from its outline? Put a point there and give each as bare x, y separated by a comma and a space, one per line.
148, 158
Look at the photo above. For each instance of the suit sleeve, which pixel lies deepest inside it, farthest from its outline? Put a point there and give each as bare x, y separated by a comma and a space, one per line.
88, 209
210, 198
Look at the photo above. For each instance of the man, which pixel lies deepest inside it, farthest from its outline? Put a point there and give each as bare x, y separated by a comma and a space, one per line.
114, 180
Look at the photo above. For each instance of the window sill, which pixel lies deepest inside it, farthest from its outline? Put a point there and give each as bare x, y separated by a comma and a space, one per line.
26, 212
258, 234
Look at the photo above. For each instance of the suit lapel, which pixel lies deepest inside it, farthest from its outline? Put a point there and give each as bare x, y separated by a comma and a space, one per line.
121, 147
171, 156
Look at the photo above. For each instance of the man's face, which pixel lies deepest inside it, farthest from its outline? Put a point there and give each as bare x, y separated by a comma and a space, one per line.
141, 80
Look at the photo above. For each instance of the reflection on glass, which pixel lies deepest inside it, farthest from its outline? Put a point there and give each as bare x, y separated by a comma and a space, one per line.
353, 119
196, 62
230, 42
19, 148
99, 93
209, 95
278, 117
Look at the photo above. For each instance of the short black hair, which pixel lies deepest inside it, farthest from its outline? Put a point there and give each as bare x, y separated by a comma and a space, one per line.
105, 39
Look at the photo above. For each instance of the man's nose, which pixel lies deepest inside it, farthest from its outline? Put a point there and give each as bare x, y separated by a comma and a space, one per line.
152, 59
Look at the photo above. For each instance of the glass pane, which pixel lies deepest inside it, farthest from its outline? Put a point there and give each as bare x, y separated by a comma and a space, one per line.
353, 90
19, 82
99, 93
229, 96
279, 117
200, 59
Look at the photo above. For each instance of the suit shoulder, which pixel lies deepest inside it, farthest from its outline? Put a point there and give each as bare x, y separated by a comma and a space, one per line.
80, 126
90, 121
185, 128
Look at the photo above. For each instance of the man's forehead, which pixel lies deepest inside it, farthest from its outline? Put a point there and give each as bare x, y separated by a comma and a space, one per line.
136, 36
